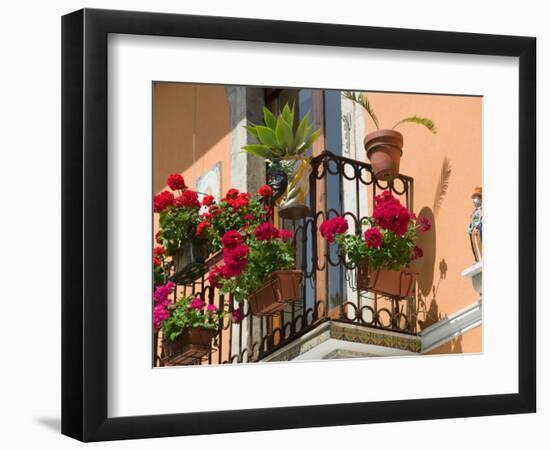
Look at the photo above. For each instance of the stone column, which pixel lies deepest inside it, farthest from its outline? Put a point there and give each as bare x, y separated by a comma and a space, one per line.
247, 171
353, 132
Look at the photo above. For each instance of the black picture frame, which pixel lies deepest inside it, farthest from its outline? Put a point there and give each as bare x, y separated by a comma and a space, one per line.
84, 224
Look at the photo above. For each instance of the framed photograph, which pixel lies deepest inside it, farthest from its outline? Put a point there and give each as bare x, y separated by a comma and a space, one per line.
273, 225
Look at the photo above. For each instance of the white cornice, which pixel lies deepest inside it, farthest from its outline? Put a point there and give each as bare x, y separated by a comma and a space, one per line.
453, 326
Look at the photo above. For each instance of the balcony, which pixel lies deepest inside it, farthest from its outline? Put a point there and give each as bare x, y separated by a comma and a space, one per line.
333, 318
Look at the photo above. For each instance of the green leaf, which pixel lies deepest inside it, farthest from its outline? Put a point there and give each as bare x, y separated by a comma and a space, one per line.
284, 134
261, 151
252, 130
270, 119
363, 101
288, 115
428, 123
310, 140
302, 131
266, 136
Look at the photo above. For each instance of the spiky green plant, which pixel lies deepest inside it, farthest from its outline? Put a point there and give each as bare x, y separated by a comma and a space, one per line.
363, 101
279, 138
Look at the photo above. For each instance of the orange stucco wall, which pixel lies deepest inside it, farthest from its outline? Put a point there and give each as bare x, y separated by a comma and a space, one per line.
446, 247
469, 342
192, 132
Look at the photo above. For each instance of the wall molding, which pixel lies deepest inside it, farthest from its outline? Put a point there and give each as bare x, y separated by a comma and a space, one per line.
453, 326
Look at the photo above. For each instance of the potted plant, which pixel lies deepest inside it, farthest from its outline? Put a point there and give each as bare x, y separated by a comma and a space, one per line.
188, 330
235, 211
384, 252
384, 147
283, 143
180, 232
259, 267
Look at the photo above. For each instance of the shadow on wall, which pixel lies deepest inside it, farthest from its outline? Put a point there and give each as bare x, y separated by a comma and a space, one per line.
428, 315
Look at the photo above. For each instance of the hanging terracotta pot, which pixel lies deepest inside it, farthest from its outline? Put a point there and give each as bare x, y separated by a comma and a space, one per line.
281, 288
189, 347
189, 261
384, 149
391, 283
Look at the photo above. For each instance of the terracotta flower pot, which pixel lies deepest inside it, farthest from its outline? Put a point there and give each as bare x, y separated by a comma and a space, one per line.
384, 149
395, 284
281, 288
189, 347
189, 262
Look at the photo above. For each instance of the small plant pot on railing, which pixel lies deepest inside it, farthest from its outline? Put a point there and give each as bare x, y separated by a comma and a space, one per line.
391, 283
189, 347
281, 288
189, 262
384, 149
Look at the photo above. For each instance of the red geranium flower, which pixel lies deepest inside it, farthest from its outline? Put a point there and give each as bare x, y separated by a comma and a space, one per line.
176, 181
214, 277
158, 251
332, 227
241, 201
202, 227
162, 200
231, 239
207, 200
232, 193
373, 237
265, 191
156, 261
265, 232
390, 214
158, 239
285, 235
189, 199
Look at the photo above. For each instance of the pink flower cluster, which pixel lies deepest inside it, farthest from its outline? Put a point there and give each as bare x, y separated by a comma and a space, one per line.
390, 214
197, 304
160, 310
333, 227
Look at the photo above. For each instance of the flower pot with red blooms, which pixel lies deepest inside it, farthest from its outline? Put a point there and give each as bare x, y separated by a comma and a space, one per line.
189, 331
258, 267
189, 261
384, 147
179, 220
383, 253
279, 289
235, 211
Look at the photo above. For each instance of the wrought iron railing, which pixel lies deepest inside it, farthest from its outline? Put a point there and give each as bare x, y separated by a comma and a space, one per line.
338, 186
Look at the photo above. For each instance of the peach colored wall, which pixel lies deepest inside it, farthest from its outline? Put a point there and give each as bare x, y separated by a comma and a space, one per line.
192, 132
469, 342
458, 121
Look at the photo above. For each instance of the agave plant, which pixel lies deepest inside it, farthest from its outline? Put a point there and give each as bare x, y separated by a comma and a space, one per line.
284, 145
280, 139
362, 100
